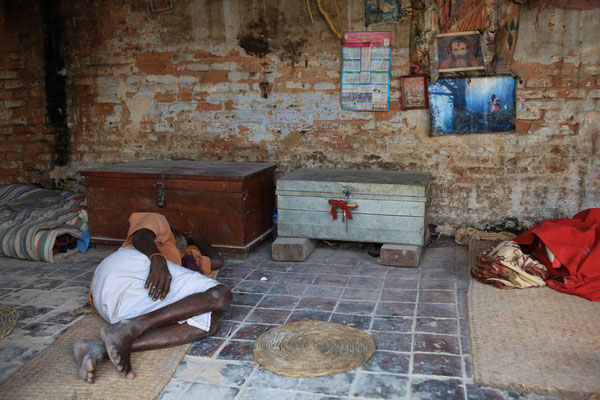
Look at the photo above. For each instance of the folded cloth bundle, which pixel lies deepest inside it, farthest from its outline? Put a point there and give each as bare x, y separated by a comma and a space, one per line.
194, 260
506, 267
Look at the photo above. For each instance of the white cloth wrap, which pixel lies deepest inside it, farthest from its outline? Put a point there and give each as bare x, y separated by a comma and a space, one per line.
118, 288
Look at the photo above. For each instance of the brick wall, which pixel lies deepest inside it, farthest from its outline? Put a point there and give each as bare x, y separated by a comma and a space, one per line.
258, 81
25, 137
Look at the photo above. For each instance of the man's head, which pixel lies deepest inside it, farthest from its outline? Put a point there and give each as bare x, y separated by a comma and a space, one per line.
180, 240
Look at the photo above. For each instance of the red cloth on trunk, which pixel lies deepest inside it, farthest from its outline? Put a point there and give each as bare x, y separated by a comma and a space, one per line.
575, 242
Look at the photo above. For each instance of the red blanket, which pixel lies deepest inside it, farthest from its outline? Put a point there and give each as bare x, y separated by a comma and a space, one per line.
575, 243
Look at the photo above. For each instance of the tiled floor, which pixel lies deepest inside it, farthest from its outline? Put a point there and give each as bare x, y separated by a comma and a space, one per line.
416, 316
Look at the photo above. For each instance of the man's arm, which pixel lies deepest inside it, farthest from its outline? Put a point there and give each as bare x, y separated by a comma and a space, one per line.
159, 277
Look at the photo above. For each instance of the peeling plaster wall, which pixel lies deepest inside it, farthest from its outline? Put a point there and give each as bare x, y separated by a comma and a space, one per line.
256, 80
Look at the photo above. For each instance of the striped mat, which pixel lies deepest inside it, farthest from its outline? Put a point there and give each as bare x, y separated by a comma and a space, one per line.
31, 218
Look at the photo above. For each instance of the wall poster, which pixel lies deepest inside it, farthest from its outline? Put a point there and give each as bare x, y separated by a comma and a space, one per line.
366, 66
473, 105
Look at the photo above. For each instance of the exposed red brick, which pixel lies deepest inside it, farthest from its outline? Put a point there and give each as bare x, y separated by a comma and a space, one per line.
168, 97
214, 76
523, 126
204, 106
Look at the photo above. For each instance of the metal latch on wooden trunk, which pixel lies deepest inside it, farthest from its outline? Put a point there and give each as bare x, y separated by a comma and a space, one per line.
161, 196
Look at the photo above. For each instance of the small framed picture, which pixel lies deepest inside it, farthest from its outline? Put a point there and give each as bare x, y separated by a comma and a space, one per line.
414, 92
160, 5
459, 51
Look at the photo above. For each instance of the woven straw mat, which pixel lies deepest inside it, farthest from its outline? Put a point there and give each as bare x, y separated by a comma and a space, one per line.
52, 374
8, 320
532, 340
312, 348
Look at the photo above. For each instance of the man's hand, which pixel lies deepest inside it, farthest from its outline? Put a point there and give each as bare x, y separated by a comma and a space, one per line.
159, 278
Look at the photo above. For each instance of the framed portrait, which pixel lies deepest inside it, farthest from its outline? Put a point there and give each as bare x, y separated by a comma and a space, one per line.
473, 105
160, 5
414, 92
459, 51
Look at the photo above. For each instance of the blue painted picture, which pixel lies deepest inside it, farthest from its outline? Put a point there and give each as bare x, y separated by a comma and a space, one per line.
473, 105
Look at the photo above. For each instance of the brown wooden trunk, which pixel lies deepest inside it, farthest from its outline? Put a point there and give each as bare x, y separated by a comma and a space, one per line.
231, 204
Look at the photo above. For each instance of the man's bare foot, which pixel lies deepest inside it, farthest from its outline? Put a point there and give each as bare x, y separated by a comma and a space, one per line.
118, 339
87, 354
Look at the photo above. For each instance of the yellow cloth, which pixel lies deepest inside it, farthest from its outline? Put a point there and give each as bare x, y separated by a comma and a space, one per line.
157, 223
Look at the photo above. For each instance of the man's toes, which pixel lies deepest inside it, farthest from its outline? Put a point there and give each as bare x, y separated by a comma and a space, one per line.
130, 374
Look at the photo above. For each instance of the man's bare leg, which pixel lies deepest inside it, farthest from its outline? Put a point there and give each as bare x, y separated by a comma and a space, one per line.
161, 327
87, 354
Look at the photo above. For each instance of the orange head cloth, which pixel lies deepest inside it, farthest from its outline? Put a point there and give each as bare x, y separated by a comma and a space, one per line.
202, 263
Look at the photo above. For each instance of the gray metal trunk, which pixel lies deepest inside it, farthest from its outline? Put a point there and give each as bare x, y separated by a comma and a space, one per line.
391, 205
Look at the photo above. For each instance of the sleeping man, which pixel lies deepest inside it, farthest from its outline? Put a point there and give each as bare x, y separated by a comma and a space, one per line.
148, 298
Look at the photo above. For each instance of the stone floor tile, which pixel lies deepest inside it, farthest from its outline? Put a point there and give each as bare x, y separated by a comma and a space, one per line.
437, 364
334, 385
264, 393
205, 347
480, 393
437, 310
251, 331
388, 362
398, 283
403, 273
213, 372
349, 258
236, 313
392, 309
380, 386
306, 268
324, 291
365, 282
225, 329
246, 299
271, 276
267, 316
280, 302
433, 343
437, 284
355, 307
447, 326
290, 289
437, 296
316, 304
399, 295
255, 287
361, 322
370, 270
351, 293
299, 277
240, 350
392, 341
337, 269
392, 324
430, 389
311, 396
44, 284
204, 391
309, 315
262, 378
334, 280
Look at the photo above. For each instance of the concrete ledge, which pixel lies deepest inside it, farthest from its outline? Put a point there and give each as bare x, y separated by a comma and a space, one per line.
400, 255
292, 249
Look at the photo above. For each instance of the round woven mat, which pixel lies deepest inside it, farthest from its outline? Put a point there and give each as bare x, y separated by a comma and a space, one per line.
312, 348
8, 320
